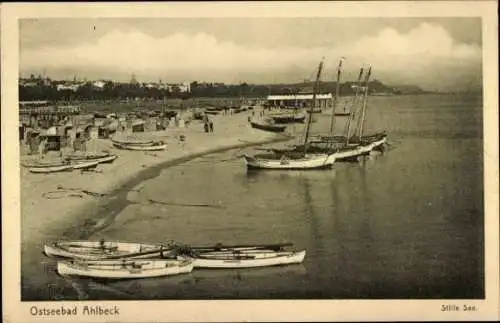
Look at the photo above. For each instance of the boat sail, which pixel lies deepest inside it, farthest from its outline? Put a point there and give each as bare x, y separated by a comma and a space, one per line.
301, 161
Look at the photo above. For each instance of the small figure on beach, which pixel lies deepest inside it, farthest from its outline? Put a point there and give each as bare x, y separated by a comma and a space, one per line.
42, 148
205, 126
211, 125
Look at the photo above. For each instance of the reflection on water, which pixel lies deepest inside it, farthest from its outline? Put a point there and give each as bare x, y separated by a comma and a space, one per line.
371, 229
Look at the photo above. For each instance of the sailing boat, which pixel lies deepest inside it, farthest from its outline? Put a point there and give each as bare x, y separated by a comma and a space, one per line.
364, 143
345, 147
303, 160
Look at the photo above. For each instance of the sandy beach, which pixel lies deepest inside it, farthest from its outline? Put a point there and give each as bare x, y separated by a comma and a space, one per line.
47, 217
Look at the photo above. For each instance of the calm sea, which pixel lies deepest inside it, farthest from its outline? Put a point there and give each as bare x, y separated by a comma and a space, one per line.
406, 224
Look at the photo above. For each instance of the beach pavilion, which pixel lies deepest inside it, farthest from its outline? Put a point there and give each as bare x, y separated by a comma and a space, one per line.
299, 100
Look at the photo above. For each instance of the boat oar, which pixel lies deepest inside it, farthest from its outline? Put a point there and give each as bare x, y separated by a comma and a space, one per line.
275, 246
143, 253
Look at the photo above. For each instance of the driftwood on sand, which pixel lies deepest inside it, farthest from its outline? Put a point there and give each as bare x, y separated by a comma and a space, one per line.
184, 204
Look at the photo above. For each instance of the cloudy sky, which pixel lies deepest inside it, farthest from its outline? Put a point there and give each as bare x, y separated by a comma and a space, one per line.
435, 53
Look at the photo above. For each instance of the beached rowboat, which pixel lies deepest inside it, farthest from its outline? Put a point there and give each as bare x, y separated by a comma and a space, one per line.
246, 259
101, 158
309, 161
85, 164
95, 250
136, 142
50, 169
288, 118
124, 269
86, 156
267, 126
154, 147
44, 164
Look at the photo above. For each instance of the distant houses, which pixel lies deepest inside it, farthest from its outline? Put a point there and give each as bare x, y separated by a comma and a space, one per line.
74, 85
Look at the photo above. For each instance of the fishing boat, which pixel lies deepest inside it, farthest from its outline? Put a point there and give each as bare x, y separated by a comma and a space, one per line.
101, 158
241, 247
287, 162
106, 160
267, 125
124, 269
97, 250
284, 118
44, 163
347, 147
86, 156
136, 142
155, 146
296, 162
246, 259
50, 169
83, 165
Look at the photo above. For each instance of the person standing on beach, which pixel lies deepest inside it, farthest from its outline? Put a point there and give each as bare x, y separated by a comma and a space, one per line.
211, 125
41, 148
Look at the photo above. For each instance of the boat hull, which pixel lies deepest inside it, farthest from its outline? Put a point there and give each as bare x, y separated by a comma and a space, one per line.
148, 142
85, 164
124, 269
367, 145
320, 161
50, 169
92, 250
268, 127
141, 148
101, 159
248, 261
288, 119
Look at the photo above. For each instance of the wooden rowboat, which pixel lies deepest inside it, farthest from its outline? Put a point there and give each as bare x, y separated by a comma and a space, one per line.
86, 156
96, 250
124, 269
288, 118
85, 164
267, 126
50, 169
136, 142
154, 147
44, 164
309, 161
246, 259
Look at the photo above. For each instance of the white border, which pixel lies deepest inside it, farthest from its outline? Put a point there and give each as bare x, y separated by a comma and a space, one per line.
204, 311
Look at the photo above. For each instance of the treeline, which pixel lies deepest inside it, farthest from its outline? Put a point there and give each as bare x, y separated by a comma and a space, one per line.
123, 91
110, 91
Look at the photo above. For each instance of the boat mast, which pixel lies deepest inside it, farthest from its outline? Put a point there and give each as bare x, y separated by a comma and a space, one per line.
365, 100
313, 104
335, 98
351, 114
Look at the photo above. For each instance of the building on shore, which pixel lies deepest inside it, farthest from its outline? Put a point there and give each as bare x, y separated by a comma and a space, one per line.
298, 100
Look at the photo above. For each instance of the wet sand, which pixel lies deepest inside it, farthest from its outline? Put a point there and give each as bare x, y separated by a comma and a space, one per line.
76, 217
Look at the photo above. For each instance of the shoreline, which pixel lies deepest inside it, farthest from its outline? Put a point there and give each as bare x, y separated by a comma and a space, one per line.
46, 219
118, 197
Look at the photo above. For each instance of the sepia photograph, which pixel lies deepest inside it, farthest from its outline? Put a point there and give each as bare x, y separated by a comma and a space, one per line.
253, 156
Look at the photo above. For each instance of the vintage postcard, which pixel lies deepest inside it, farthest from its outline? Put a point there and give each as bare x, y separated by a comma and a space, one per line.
250, 161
